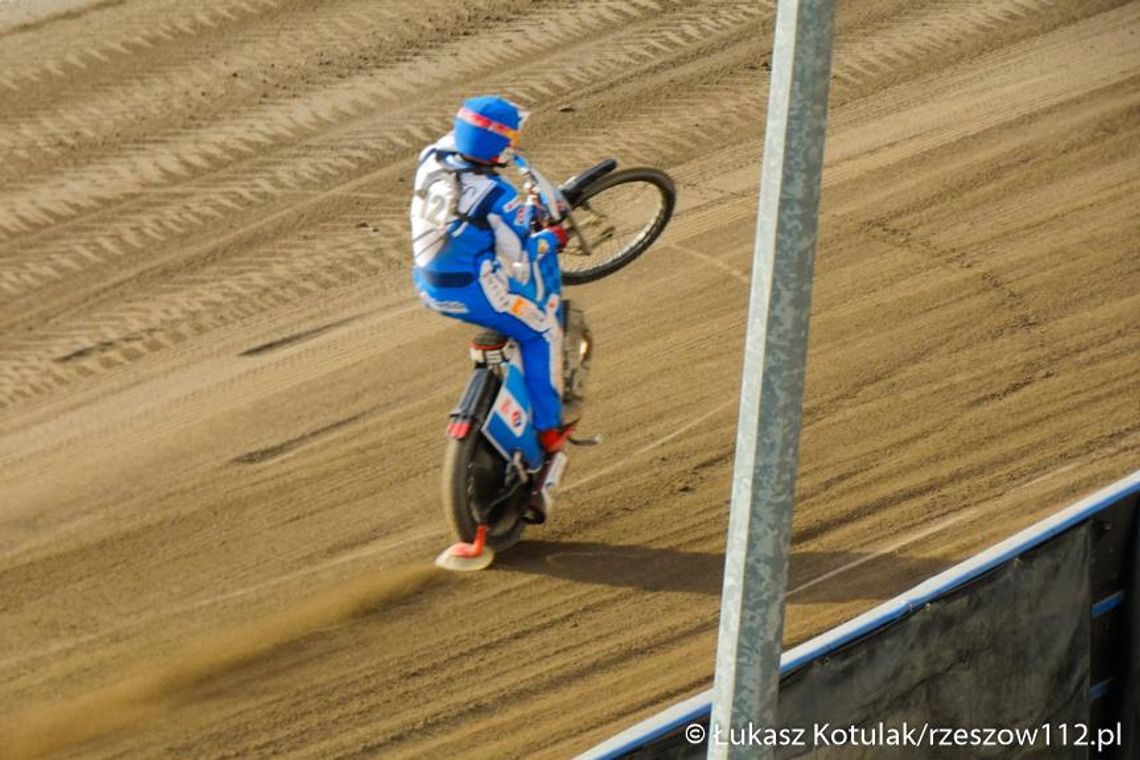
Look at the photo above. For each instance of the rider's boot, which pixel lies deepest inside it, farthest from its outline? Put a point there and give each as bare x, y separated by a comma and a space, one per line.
554, 439
546, 482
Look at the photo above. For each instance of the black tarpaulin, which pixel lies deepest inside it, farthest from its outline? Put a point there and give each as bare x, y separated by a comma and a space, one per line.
1009, 650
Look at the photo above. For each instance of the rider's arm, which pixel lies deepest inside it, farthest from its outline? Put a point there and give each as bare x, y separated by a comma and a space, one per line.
510, 219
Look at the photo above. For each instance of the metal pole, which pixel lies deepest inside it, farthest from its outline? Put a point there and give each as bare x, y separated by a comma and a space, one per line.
768, 428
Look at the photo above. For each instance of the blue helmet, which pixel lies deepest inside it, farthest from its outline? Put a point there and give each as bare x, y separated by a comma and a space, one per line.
485, 127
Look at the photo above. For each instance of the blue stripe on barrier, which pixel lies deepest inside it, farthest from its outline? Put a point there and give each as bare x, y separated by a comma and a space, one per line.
1108, 604
699, 706
1100, 689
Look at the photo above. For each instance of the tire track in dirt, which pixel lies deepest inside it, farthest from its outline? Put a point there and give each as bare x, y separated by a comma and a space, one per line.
245, 73
145, 234
344, 248
136, 332
50, 203
319, 41
244, 194
1114, 61
886, 49
45, 54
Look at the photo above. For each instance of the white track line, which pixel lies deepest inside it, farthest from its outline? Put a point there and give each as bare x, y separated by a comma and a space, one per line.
652, 445
915, 537
742, 276
951, 520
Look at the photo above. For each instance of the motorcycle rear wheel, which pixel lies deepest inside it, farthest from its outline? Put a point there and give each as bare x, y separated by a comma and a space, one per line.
473, 476
620, 216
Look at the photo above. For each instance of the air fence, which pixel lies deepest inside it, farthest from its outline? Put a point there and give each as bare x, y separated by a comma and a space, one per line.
1030, 649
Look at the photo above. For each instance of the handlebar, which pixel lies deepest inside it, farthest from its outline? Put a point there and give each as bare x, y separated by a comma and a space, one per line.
544, 193
549, 199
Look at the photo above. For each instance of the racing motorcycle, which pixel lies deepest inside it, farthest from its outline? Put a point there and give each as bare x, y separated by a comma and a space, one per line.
493, 459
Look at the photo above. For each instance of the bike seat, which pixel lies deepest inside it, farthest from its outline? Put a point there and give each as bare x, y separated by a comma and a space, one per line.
489, 340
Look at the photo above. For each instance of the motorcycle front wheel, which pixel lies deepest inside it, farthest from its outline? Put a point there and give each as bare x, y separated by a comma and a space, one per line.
614, 220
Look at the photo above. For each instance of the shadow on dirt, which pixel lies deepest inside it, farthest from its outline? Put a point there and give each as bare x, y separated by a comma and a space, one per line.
663, 569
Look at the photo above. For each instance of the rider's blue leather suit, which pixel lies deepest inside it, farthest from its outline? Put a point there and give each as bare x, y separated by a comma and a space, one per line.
477, 260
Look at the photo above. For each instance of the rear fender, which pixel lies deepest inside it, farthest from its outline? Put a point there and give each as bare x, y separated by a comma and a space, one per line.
473, 404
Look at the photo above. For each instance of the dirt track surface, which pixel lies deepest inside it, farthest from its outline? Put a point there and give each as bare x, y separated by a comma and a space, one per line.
221, 408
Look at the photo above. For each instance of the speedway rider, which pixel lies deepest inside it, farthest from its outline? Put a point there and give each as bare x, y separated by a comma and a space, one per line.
479, 257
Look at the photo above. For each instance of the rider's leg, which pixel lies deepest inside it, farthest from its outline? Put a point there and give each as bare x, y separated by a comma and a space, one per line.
534, 324
538, 330
542, 372
542, 364
489, 302
541, 352
548, 285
